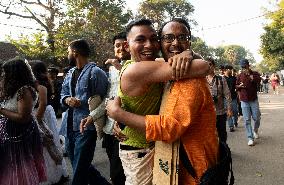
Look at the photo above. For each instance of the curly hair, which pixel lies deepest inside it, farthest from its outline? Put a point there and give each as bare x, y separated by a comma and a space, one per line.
17, 73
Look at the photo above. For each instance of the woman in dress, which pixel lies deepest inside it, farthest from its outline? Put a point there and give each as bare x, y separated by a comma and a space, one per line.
275, 82
45, 115
22, 161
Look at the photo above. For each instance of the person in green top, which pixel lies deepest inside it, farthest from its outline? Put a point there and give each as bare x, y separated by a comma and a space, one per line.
141, 93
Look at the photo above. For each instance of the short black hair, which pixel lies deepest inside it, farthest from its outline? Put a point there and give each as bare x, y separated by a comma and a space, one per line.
211, 60
229, 67
139, 22
179, 20
121, 35
221, 66
52, 70
81, 46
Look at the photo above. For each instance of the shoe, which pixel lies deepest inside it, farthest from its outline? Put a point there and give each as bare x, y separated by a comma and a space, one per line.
232, 129
250, 142
255, 135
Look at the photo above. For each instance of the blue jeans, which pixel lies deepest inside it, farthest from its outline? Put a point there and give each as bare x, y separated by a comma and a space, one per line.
81, 148
251, 109
266, 87
233, 119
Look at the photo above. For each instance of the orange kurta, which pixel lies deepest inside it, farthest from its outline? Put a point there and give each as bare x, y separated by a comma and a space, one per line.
188, 113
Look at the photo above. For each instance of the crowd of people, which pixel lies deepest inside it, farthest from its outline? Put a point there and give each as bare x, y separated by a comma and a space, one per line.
156, 114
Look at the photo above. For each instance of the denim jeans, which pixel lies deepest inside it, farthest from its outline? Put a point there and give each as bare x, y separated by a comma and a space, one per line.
81, 148
266, 87
251, 109
233, 119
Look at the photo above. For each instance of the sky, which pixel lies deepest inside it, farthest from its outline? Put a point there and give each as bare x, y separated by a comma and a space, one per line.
220, 22
213, 19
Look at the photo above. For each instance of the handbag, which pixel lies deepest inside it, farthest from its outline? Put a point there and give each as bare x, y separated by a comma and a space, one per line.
216, 175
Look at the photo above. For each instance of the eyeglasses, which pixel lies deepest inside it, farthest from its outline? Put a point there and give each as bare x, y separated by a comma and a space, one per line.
169, 38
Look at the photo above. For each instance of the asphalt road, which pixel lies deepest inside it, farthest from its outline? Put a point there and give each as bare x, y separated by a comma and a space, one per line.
262, 164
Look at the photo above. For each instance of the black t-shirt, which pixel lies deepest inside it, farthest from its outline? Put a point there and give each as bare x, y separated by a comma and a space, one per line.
231, 81
75, 76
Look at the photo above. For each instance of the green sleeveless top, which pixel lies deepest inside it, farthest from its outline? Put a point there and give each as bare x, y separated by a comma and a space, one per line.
147, 104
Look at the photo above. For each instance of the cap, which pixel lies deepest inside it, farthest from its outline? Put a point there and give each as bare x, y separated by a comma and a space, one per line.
244, 62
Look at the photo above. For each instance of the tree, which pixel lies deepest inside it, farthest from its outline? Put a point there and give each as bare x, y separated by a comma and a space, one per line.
96, 21
272, 41
44, 13
33, 47
219, 55
160, 10
234, 53
199, 46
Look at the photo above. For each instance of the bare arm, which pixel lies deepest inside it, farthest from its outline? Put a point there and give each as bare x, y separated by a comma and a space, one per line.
42, 95
115, 111
25, 107
138, 76
115, 63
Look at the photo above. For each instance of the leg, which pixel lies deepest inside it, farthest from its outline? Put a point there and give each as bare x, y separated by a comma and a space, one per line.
221, 127
255, 114
247, 119
69, 147
231, 123
83, 155
116, 170
235, 111
138, 166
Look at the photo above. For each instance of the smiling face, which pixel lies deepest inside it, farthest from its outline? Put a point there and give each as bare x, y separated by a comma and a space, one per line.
119, 49
142, 43
175, 38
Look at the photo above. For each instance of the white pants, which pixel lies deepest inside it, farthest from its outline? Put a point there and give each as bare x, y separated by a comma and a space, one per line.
138, 168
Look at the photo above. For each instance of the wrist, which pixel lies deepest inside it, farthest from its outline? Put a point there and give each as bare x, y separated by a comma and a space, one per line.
118, 114
66, 101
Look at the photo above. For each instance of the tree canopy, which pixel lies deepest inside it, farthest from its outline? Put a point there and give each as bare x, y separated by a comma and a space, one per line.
98, 21
272, 41
158, 10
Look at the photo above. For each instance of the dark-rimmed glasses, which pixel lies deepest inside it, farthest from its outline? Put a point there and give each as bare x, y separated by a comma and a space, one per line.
169, 38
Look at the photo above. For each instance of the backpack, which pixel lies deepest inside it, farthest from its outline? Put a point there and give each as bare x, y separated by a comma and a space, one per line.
216, 175
218, 78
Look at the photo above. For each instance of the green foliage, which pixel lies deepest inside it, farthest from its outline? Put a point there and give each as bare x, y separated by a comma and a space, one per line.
33, 47
234, 53
95, 21
199, 46
223, 55
272, 41
160, 10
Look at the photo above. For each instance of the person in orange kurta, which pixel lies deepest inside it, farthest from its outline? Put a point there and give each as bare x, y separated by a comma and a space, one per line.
187, 111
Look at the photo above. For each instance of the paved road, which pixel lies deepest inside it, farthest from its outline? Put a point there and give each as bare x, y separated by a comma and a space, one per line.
262, 164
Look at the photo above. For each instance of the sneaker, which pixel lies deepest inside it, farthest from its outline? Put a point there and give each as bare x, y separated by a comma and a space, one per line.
232, 129
255, 135
250, 142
